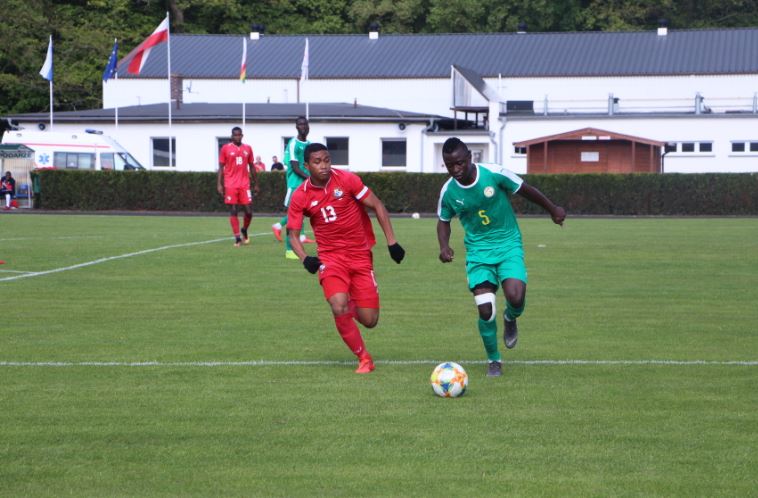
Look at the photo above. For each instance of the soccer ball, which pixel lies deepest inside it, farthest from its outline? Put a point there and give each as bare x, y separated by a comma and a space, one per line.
449, 380
415, 216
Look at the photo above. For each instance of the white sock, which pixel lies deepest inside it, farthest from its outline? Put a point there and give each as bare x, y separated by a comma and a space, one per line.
7, 200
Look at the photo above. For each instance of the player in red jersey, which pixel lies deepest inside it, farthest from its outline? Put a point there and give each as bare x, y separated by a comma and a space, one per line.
233, 183
335, 201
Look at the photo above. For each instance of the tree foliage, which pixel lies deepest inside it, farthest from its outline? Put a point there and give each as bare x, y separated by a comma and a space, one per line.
83, 30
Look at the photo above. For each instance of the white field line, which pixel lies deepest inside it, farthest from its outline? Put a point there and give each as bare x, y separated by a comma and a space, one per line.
121, 256
284, 363
15, 271
42, 237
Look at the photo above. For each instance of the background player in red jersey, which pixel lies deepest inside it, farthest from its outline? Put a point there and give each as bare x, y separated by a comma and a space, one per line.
335, 201
233, 182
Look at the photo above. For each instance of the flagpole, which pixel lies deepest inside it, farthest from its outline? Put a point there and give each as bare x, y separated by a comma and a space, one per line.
116, 108
115, 41
51, 105
243, 79
171, 162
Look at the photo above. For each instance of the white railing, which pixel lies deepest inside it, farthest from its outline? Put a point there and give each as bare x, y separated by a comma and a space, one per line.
616, 104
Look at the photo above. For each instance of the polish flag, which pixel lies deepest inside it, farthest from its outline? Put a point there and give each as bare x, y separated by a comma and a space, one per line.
159, 36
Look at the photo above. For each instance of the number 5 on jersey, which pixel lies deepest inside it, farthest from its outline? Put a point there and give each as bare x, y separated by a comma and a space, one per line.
329, 214
484, 217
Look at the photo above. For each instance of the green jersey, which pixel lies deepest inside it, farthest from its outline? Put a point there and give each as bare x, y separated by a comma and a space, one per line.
295, 151
485, 211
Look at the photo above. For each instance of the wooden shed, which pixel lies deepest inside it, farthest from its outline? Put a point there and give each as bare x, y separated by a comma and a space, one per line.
591, 150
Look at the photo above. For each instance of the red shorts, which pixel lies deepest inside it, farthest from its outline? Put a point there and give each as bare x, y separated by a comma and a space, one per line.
350, 274
239, 195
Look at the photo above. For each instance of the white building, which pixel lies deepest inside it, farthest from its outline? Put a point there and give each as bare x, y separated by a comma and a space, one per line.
693, 91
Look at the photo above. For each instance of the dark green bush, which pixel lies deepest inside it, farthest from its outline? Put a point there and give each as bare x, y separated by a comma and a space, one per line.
638, 194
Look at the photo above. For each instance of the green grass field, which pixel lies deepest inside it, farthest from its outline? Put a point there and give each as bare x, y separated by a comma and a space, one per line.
205, 370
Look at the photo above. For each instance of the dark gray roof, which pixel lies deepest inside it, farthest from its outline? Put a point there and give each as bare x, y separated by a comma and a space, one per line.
231, 112
709, 51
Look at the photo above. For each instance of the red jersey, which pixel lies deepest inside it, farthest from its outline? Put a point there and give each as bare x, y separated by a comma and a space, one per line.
339, 219
235, 160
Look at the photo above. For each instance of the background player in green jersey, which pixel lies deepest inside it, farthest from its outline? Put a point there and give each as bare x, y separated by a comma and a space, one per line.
479, 194
296, 174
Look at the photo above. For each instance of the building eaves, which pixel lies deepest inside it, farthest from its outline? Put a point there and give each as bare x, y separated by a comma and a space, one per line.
230, 112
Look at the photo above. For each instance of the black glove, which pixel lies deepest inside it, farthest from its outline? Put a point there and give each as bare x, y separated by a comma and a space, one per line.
312, 263
397, 253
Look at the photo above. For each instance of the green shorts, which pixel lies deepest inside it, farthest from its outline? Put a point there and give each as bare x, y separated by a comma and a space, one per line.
511, 267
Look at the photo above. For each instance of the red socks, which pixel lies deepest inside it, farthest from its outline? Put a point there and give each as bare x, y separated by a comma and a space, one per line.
235, 222
350, 334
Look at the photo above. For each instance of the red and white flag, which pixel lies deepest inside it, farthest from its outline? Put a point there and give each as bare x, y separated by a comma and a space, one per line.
159, 36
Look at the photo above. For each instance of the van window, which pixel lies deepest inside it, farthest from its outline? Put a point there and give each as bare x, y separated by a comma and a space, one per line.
127, 162
74, 160
106, 160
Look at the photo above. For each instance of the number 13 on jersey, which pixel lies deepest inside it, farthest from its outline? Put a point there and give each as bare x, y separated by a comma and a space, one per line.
329, 214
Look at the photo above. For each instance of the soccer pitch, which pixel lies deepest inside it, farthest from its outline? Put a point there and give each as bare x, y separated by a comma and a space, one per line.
146, 356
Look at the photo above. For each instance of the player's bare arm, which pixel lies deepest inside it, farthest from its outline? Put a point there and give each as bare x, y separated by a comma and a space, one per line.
443, 237
311, 263
382, 216
297, 246
397, 253
220, 180
295, 167
557, 213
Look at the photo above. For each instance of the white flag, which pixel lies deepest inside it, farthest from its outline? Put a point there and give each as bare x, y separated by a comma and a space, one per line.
304, 67
47, 68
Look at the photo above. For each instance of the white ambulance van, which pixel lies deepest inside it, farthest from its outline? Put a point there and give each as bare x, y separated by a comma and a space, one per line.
89, 149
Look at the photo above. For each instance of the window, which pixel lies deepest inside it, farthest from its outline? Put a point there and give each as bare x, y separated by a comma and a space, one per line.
590, 156
120, 161
670, 147
221, 141
106, 160
519, 151
706, 146
161, 152
285, 140
688, 146
394, 152
338, 150
744, 146
74, 160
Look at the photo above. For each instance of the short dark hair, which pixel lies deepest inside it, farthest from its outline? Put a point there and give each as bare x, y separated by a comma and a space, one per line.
235, 129
301, 117
311, 148
452, 144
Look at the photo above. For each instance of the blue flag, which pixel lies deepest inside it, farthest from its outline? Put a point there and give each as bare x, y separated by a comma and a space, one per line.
47, 68
110, 69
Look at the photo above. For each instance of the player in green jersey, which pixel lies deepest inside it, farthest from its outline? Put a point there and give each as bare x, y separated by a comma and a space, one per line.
296, 175
479, 194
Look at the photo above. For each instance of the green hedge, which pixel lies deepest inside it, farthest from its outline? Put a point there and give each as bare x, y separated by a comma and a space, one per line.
638, 194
